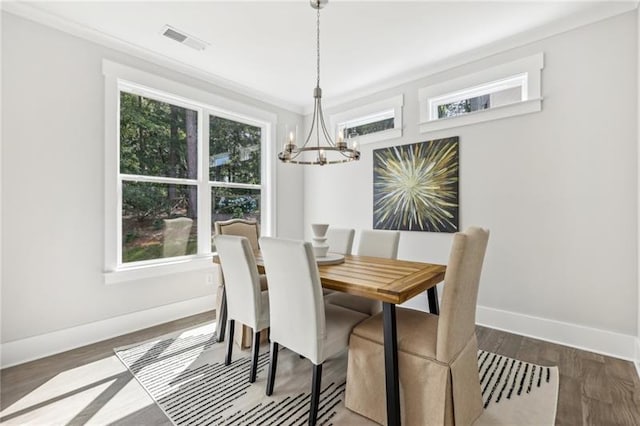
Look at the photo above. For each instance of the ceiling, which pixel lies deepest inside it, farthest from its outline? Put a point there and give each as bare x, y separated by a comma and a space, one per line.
269, 47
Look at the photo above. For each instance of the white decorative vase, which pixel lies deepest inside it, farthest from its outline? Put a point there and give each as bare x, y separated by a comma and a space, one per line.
320, 246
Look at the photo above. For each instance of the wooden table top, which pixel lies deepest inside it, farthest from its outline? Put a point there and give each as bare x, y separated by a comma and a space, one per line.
388, 280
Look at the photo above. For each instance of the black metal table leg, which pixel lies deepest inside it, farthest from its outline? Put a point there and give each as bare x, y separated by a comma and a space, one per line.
432, 299
391, 363
222, 318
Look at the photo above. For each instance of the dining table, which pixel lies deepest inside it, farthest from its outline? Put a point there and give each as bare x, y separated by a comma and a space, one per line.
391, 281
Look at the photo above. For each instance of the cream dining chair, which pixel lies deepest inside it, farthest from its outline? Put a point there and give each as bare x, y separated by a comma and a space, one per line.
437, 355
246, 302
300, 321
249, 229
372, 243
340, 240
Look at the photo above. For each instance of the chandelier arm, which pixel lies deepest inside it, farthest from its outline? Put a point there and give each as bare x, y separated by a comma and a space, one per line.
319, 107
324, 128
313, 123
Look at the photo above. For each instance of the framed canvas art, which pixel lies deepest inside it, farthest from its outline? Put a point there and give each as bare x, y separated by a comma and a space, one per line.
415, 187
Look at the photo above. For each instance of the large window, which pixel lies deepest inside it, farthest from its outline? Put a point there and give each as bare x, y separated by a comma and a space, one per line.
234, 169
158, 174
175, 165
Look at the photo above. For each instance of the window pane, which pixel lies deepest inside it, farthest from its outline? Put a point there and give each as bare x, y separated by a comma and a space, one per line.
506, 96
464, 106
365, 129
158, 221
157, 138
231, 203
234, 150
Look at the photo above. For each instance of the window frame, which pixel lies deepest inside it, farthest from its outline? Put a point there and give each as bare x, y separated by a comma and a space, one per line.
119, 77
376, 111
525, 71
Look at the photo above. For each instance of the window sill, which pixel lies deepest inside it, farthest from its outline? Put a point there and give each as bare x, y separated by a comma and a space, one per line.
134, 273
520, 108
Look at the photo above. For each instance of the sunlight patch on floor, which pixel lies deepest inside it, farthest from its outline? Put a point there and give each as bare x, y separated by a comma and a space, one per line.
68, 382
131, 398
81, 391
55, 411
205, 329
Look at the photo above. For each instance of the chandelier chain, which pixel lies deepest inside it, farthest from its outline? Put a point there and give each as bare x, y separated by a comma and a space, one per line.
318, 46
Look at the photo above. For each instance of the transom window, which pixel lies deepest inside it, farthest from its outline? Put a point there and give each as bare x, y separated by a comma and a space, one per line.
381, 120
489, 95
500, 91
370, 124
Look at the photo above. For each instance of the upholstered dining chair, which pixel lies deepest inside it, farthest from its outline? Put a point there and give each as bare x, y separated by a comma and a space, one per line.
246, 302
251, 230
372, 243
176, 236
437, 355
340, 240
299, 319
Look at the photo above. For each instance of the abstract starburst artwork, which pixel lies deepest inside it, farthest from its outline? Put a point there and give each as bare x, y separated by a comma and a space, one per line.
415, 187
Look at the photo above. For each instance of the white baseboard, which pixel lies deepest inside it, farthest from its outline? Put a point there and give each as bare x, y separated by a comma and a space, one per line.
31, 348
604, 342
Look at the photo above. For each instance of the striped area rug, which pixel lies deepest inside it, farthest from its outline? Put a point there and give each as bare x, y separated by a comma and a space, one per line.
185, 374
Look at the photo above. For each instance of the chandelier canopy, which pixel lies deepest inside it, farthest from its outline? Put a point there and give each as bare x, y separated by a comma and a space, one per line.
319, 148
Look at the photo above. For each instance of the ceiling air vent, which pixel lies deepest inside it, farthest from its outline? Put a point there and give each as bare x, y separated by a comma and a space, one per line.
184, 38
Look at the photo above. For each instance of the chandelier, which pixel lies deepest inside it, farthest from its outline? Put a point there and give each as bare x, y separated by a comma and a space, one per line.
315, 150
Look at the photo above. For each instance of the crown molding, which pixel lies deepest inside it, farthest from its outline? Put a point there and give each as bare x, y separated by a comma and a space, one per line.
587, 17
569, 23
32, 13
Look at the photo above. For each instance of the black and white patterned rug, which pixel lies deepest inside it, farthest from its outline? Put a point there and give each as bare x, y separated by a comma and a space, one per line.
186, 376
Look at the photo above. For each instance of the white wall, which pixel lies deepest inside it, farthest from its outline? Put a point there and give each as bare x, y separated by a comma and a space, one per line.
638, 241
53, 186
557, 189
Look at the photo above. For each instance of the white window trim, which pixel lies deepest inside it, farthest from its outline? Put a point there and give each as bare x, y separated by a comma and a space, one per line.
391, 107
119, 76
462, 87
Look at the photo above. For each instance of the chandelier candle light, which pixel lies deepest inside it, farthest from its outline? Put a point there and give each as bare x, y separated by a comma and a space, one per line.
327, 152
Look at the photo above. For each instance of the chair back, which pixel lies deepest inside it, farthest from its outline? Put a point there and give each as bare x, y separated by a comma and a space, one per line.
378, 243
176, 236
242, 227
297, 317
242, 282
457, 322
340, 240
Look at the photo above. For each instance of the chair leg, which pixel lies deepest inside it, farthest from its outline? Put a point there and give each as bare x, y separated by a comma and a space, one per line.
222, 317
315, 394
254, 357
227, 359
273, 364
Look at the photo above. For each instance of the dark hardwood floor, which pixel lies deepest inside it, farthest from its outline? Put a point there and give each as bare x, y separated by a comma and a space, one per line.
89, 384
594, 389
